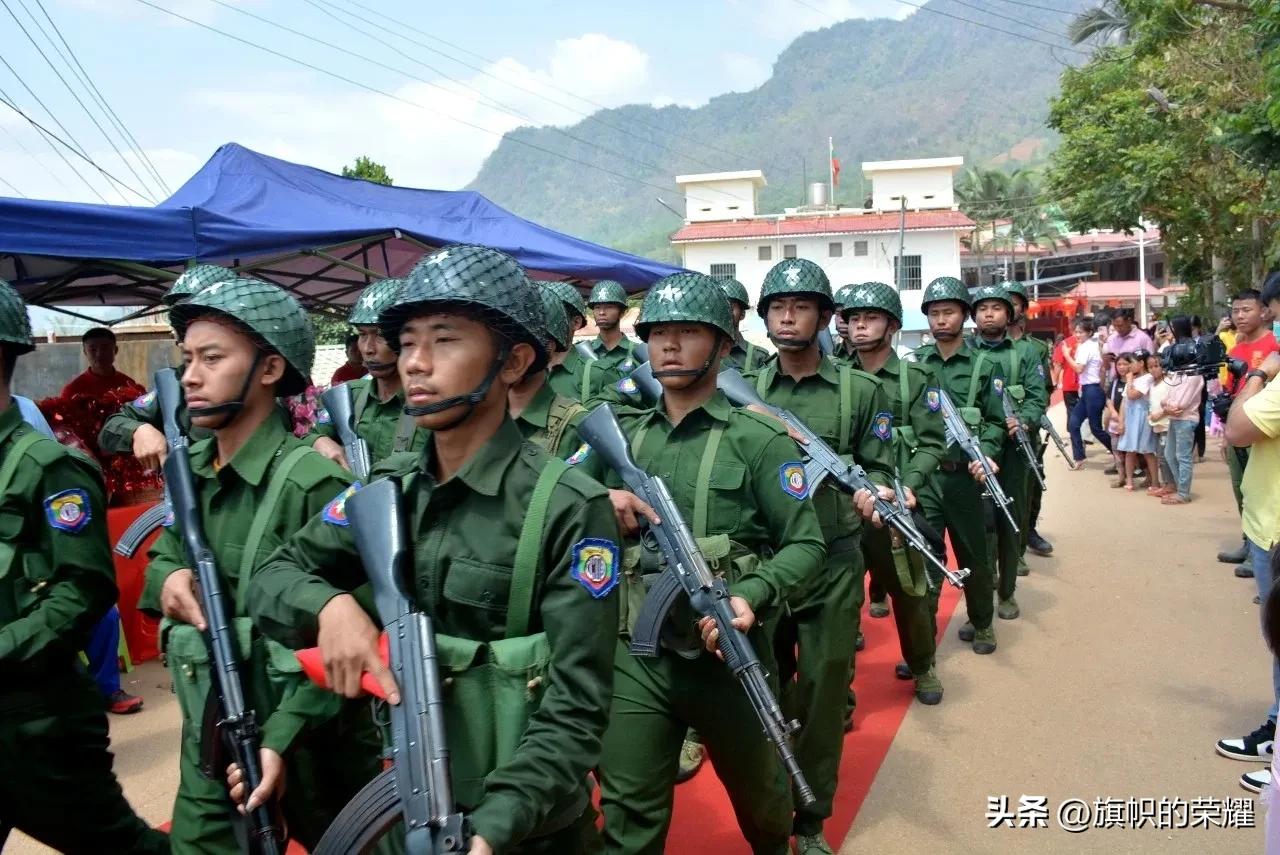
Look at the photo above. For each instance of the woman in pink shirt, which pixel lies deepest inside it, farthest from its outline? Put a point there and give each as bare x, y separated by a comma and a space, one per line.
1182, 405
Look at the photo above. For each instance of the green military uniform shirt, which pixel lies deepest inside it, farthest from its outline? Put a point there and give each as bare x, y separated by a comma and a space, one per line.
746, 488
565, 379
465, 532
919, 433
1024, 375
868, 422
56, 575
970, 382
550, 421
382, 424
744, 356
229, 497
617, 359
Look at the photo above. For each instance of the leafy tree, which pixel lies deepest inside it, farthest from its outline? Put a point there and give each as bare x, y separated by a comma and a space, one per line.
1108, 23
329, 329
367, 170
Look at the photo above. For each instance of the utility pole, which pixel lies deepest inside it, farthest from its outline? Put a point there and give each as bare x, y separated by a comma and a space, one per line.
902, 243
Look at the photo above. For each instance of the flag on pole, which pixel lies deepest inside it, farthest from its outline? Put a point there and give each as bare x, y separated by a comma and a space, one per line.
835, 164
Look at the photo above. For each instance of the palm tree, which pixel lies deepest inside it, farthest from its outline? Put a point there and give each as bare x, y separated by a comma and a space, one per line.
1033, 229
1107, 22
983, 195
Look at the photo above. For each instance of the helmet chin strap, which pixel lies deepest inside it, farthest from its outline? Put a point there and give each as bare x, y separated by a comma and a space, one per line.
695, 373
229, 409
796, 343
468, 401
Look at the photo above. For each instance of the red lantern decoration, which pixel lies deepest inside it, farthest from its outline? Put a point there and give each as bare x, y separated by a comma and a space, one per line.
1069, 303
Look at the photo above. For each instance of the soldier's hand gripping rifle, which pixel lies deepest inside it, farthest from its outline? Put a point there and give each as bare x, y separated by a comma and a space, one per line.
431, 823
337, 400
1024, 442
1057, 440
959, 433
848, 477
688, 572
237, 724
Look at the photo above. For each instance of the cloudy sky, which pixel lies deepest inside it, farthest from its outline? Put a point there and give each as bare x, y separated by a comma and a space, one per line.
450, 78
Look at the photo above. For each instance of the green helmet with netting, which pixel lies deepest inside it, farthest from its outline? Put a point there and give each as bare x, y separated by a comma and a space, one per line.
372, 300
943, 289
1018, 288
685, 297
193, 279
570, 297
795, 276
736, 292
872, 295
268, 312
556, 318
991, 292
607, 291
15, 326
473, 279
841, 293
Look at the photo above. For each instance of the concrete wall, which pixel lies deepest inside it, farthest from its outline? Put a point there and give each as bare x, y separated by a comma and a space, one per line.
720, 200
43, 373
915, 184
939, 253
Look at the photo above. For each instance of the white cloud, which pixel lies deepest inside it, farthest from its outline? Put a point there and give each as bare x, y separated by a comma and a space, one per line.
783, 20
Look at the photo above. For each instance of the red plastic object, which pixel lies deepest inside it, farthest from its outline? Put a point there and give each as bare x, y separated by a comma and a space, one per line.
313, 666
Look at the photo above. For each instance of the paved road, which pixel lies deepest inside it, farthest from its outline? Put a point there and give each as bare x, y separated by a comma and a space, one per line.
1135, 652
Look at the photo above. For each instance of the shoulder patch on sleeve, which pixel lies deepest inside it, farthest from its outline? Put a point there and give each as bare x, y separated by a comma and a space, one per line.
998, 384
882, 426
144, 400
68, 511
594, 565
322, 416
1040, 370
794, 481
933, 400
335, 513
627, 364
627, 386
578, 456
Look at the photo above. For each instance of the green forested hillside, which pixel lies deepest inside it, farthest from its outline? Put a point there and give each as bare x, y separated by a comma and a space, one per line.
927, 86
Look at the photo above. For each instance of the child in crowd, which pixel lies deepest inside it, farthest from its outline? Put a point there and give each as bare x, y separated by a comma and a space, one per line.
1181, 406
1138, 439
1159, 419
1113, 414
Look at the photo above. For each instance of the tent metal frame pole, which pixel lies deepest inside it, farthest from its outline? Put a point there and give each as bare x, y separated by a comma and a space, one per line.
304, 278
65, 311
285, 256
52, 286
364, 250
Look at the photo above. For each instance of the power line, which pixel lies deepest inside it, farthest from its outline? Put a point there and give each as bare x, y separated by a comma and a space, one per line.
563, 91
78, 100
1018, 21
4, 99
9, 102
87, 79
502, 108
30, 154
1042, 8
14, 189
406, 101
934, 11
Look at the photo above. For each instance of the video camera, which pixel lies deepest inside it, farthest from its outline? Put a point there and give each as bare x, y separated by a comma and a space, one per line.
1203, 356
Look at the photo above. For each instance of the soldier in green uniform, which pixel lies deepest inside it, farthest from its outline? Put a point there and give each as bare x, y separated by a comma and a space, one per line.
971, 378
814, 639
136, 429
377, 400
566, 380
1031, 538
468, 326
56, 782
843, 348
608, 303
546, 418
736, 478
244, 343
873, 314
743, 355
1023, 383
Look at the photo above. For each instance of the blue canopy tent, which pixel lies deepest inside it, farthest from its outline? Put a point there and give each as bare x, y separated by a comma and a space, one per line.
322, 236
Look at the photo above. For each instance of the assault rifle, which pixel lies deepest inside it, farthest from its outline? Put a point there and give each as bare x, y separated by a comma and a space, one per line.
959, 433
337, 400
1024, 442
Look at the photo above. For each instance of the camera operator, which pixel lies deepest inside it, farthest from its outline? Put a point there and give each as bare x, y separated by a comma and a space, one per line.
1254, 341
1254, 421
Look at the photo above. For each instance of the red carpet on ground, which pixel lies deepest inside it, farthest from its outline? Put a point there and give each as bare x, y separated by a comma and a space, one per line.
703, 819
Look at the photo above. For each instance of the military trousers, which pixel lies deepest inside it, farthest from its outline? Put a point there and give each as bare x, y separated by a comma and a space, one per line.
814, 647
1014, 476
324, 769
965, 512
902, 577
56, 780
655, 701
1035, 493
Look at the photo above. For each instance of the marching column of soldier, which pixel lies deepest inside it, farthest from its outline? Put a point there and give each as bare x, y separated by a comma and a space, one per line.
473, 403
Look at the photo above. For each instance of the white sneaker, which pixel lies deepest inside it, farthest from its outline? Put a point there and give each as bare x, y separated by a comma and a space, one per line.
1255, 782
1252, 748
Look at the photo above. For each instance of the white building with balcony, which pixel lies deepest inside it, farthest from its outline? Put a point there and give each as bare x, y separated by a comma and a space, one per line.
912, 214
